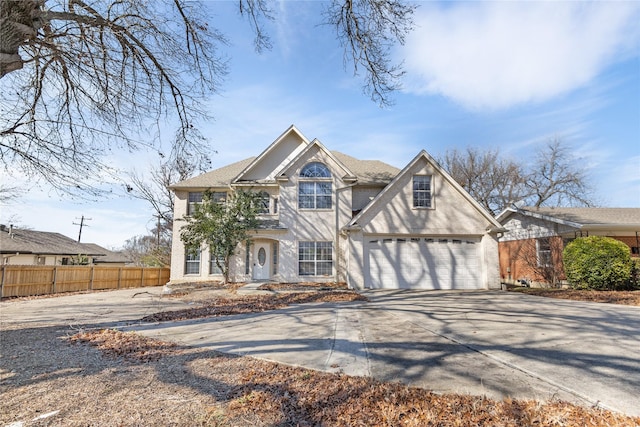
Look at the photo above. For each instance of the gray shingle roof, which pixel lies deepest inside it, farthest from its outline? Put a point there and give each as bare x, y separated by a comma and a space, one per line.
109, 256
42, 242
594, 216
367, 172
220, 177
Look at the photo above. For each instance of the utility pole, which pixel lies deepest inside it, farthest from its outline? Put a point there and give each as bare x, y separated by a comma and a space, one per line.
82, 224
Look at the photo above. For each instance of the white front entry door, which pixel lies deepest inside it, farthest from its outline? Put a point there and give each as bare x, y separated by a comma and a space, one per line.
261, 261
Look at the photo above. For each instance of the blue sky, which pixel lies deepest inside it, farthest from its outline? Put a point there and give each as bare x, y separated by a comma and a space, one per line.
508, 75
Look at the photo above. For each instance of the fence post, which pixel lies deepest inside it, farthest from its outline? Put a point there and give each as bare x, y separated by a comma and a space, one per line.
119, 276
2, 281
142, 278
93, 269
55, 277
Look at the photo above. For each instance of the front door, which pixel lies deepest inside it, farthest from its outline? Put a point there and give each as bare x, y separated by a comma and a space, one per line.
261, 260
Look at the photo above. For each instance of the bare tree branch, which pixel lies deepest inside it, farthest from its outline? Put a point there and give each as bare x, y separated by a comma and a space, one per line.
367, 30
94, 77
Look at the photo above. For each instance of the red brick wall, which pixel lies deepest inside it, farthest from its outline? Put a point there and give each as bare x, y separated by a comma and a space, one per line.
518, 260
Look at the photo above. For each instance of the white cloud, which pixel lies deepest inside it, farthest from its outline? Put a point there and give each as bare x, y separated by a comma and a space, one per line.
499, 54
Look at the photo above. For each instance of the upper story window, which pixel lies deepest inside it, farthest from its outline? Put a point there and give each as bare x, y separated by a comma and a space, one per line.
264, 202
315, 170
315, 187
422, 191
195, 198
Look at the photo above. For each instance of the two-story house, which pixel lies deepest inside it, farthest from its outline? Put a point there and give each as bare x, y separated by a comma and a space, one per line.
327, 216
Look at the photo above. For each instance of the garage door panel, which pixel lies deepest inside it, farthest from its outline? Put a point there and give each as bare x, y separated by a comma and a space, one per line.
424, 263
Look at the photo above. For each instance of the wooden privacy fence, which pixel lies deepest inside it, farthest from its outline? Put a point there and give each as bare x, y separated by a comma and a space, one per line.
25, 280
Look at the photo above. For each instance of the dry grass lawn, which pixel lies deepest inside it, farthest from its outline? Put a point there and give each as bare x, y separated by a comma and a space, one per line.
96, 376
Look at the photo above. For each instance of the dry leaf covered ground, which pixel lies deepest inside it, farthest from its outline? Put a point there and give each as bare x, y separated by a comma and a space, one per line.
613, 297
54, 375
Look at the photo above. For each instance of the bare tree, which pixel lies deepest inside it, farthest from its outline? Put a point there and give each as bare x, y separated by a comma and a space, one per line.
81, 80
493, 181
155, 190
556, 178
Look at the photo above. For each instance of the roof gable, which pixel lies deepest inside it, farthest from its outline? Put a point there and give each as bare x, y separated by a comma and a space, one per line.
274, 158
423, 161
310, 152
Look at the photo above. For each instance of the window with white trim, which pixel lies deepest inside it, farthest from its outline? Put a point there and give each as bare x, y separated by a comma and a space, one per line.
315, 187
543, 252
264, 201
192, 261
422, 191
315, 258
213, 265
195, 198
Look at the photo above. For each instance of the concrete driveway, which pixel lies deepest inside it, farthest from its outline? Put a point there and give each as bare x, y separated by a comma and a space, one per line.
492, 343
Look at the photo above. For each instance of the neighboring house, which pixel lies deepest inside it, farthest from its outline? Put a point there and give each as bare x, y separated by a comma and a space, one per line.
108, 258
531, 248
29, 247
330, 217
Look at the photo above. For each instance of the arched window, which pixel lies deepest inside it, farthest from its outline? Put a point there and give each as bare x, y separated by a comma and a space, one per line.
315, 170
315, 187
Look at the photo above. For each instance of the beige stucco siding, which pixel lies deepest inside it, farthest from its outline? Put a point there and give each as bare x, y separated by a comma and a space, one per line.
451, 213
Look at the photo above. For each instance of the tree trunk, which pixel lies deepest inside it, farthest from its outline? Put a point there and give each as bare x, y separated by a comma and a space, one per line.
18, 23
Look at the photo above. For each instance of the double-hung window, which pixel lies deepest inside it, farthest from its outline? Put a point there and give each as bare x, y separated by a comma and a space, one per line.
264, 200
315, 187
422, 191
195, 198
192, 261
213, 265
543, 249
315, 258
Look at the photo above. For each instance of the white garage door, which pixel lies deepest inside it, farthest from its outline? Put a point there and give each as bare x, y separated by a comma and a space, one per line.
424, 263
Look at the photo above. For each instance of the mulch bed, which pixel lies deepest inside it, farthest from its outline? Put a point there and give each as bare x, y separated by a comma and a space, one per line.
221, 306
613, 297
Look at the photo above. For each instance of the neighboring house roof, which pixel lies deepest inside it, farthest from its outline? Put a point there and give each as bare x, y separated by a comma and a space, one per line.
41, 243
582, 218
109, 256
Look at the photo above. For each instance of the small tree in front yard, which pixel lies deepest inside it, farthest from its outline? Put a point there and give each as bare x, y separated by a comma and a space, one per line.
221, 226
597, 262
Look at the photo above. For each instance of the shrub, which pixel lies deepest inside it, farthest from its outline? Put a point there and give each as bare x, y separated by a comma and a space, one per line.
597, 262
